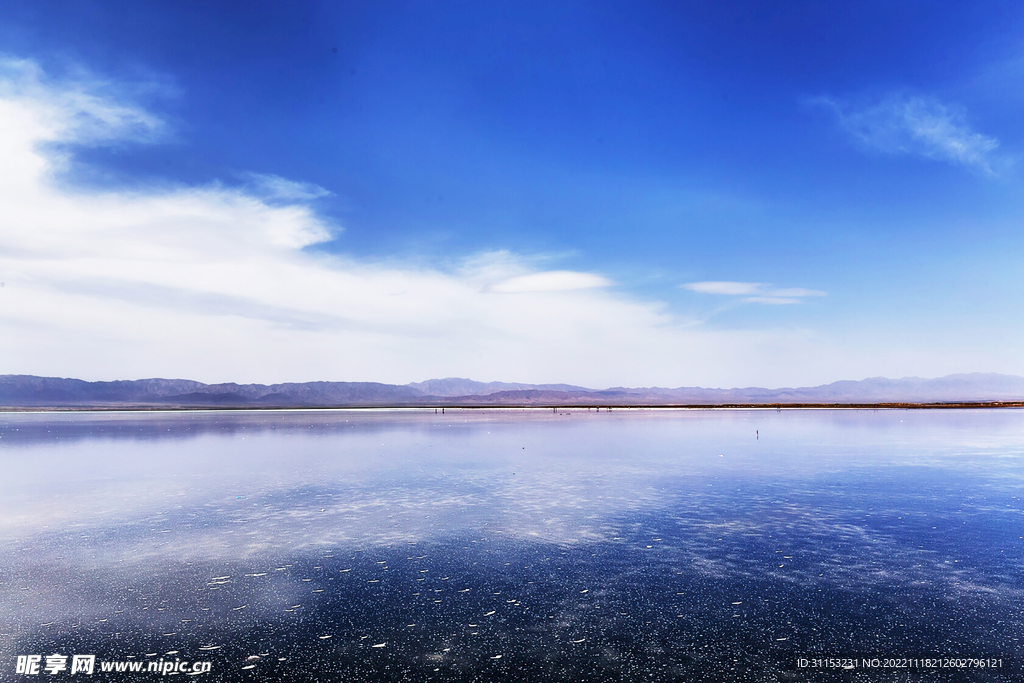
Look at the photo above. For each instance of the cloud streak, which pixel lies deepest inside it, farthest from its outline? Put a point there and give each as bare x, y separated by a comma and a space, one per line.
919, 126
753, 292
551, 281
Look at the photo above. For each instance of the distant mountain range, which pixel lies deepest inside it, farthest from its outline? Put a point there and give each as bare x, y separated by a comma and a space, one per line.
28, 391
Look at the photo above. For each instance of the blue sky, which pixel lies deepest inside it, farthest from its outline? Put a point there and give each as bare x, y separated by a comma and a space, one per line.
702, 193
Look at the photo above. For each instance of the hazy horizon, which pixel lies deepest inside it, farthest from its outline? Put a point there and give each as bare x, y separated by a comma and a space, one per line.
513, 382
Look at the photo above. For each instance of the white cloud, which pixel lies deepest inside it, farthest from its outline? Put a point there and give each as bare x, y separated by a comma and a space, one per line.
924, 126
753, 292
217, 284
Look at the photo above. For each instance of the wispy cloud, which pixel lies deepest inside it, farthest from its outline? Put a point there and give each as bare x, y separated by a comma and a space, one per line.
753, 292
78, 109
922, 126
274, 187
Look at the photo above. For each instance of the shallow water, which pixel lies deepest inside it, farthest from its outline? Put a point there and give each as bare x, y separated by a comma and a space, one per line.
492, 545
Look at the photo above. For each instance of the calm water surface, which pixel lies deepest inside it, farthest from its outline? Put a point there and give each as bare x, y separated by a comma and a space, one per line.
515, 545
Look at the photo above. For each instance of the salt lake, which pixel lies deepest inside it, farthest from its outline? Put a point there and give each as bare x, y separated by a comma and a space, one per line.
490, 545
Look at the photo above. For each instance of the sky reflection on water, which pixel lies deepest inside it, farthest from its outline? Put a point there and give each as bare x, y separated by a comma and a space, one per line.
690, 545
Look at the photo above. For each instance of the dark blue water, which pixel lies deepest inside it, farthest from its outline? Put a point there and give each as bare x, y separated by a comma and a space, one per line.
503, 545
